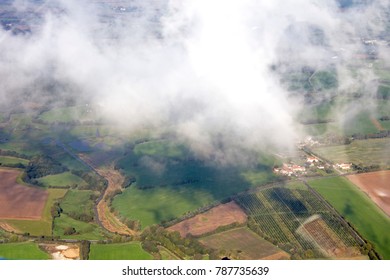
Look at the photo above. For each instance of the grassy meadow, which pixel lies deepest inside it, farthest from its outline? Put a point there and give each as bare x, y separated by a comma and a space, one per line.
366, 152
22, 251
128, 251
12, 160
62, 180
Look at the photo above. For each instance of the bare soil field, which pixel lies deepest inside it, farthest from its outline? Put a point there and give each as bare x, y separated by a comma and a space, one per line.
244, 244
376, 185
222, 215
316, 230
18, 201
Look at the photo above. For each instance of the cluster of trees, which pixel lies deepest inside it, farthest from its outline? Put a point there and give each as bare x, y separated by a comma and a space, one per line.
333, 139
85, 247
316, 121
369, 249
128, 181
14, 154
384, 118
40, 166
381, 134
6, 237
13, 165
69, 231
84, 217
155, 236
133, 224
383, 92
56, 210
360, 168
94, 181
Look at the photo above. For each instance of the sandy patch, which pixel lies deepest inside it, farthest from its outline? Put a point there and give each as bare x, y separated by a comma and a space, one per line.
61, 251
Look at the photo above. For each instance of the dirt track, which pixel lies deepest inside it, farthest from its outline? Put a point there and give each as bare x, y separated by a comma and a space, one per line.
108, 219
19, 201
105, 217
376, 185
221, 215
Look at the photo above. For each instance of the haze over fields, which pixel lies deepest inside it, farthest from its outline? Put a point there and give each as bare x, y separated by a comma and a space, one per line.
214, 72
160, 117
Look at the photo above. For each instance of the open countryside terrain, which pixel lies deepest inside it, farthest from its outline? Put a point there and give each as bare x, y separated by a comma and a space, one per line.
280, 214
376, 185
65, 179
358, 209
129, 161
42, 226
22, 251
5, 160
242, 243
221, 215
127, 251
170, 181
20, 201
365, 152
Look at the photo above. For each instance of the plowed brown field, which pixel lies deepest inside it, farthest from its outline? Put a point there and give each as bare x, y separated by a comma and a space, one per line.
376, 185
18, 201
221, 215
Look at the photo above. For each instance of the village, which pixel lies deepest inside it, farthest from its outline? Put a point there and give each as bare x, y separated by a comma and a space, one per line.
310, 167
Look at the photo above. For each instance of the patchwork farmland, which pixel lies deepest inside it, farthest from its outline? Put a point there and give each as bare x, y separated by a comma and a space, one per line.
358, 209
299, 222
242, 243
364, 152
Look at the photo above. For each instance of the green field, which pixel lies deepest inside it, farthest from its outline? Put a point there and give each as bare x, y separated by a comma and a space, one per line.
385, 124
129, 251
66, 115
20, 146
67, 160
160, 148
319, 129
244, 241
155, 205
358, 209
62, 180
12, 160
365, 152
73, 199
43, 226
319, 112
22, 251
84, 230
166, 254
359, 124
77, 209
170, 181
